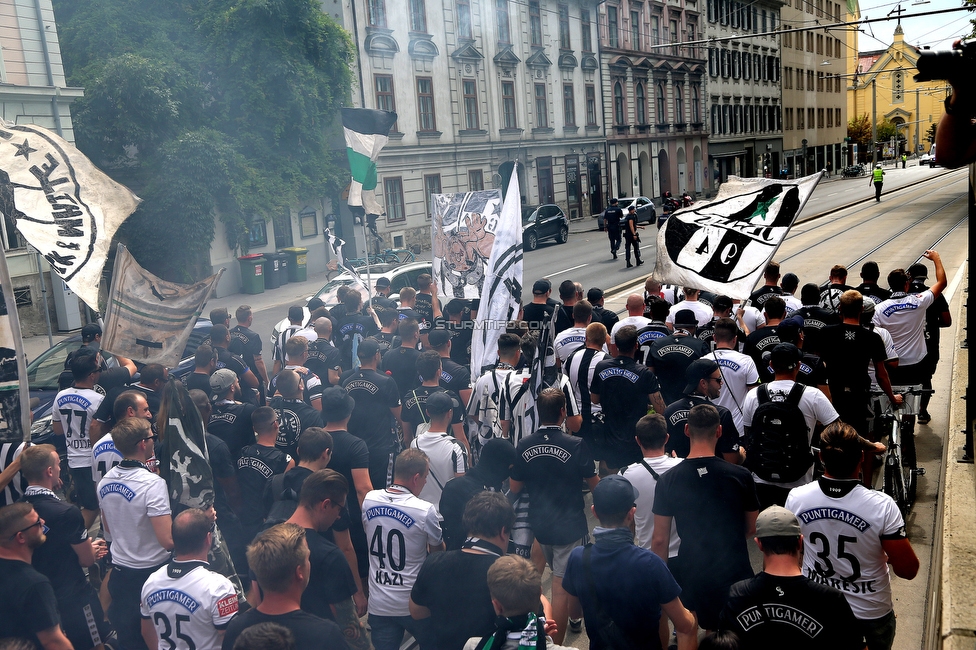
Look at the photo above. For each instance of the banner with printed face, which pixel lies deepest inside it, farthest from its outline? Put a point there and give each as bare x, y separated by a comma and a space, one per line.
502, 288
61, 204
463, 232
723, 246
148, 319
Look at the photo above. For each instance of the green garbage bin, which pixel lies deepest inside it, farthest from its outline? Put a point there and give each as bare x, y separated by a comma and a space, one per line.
274, 270
297, 270
252, 273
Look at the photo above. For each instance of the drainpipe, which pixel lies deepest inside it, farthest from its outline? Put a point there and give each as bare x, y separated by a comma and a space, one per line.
56, 112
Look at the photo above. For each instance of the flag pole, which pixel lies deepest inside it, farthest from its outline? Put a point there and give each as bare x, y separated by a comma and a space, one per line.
369, 276
13, 324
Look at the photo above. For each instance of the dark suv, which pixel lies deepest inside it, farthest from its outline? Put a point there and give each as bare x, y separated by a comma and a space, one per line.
541, 222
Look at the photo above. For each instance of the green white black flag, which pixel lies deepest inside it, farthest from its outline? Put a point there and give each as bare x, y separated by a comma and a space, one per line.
367, 131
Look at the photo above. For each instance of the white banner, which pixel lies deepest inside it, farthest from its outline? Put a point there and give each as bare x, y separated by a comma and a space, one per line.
62, 204
463, 233
502, 282
724, 245
149, 319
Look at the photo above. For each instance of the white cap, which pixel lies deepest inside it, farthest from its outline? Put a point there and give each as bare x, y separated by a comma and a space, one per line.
877, 165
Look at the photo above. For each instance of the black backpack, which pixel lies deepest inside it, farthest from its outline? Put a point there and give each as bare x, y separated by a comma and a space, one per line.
780, 446
284, 504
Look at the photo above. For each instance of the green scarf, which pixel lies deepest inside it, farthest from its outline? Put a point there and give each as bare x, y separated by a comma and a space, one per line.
529, 627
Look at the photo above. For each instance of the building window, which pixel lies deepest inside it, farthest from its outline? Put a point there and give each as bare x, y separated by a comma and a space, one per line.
837, 117
470, 92
508, 104
830, 119
635, 35
662, 117
679, 105
257, 232
307, 224
564, 41
535, 24
746, 67
418, 17
376, 13
393, 190
585, 31
541, 107
640, 104
695, 105
799, 120
820, 118
476, 180
464, 18
569, 105
385, 99
612, 26
799, 79
810, 122
618, 103
590, 105
501, 17
432, 185
655, 30
810, 80
425, 104
674, 36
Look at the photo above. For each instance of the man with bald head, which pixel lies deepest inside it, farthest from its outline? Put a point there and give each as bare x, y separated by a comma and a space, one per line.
323, 358
635, 317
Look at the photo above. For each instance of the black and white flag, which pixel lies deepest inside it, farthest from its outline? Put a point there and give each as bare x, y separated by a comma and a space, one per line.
724, 245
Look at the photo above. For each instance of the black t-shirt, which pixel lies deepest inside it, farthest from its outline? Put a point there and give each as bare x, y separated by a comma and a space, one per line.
349, 326
676, 416
706, 333
793, 612
371, 420
323, 357
933, 316
231, 422
387, 341
401, 363
349, 453
454, 497
552, 464
246, 344
762, 340
222, 466
630, 218
291, 489
198, 381
26, 600
454, 587
106, 410
623, 386
764, 293
646, 336
55, 558
564, 318
330, 580
311, 632
454, 377
670, 358
405, 313
814, 320
294, 416
537, 315
425, 307
708, 499
874, 292
255, 469
414, 408
847, 350
612, 217
226, 359
605, 316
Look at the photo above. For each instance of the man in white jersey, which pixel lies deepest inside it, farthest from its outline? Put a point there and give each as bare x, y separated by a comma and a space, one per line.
573, 338
445, 455
851, 534
135, 510
903, 315
703, 313
402, 529
105, 455
579, 368
652, 436
487, 392
73, 411
739, 372
185, 605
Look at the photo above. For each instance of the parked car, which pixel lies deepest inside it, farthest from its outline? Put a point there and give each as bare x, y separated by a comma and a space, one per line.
400, 276
646, 212
541, 222
925, 159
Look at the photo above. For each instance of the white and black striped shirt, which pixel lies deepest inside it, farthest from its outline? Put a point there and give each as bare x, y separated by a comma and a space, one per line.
517, 404
584, 360
9, 452
279, 346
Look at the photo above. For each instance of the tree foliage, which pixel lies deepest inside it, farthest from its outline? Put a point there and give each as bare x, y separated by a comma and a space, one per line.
204, 108
887, 130
859, 131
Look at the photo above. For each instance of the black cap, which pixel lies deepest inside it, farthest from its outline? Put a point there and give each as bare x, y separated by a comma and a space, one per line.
439, 337
594, 294
918, 272
613, 495
685, 317
90, 331
337, 404
784, 357
697, 370
722, 303
789, 329
439, 403
541, 286
382, 282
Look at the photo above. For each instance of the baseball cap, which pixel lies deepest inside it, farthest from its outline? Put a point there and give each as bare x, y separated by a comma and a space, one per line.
221, 380
439, 337
877, 165
789, 329
439, 403
541, 286
90, 331
777, 521
614, 494
382, 283
697, 370
594, 294
368, 348
685, 317
785, 356
722, 303
916, 271
337, 404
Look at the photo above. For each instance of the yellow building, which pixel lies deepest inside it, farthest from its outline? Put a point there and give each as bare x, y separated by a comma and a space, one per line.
887, 78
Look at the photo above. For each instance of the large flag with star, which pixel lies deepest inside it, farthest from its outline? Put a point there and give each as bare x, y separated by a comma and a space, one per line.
501, 290
724, 245
367, 131
61, 204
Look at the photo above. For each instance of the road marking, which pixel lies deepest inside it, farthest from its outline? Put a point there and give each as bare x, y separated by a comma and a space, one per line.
572, 268
955, 283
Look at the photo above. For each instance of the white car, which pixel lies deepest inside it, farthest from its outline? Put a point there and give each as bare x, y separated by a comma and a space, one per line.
404, 275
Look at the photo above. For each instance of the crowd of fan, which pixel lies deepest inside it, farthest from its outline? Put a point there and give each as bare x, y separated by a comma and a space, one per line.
370, 485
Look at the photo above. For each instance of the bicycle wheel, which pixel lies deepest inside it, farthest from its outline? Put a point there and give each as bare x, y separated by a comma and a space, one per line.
911, 486
406, 255
893, 482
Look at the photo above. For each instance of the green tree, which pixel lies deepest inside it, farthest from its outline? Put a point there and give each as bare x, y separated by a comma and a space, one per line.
859, 131
207, 108
886, 130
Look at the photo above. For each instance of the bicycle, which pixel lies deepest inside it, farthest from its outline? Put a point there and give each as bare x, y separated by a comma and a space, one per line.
398, 255
900, 468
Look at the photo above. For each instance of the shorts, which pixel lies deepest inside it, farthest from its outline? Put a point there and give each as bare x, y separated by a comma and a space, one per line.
879, 632
557, 555
83, 495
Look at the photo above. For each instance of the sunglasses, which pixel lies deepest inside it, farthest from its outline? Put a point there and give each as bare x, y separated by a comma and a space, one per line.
24, 530
154, 437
